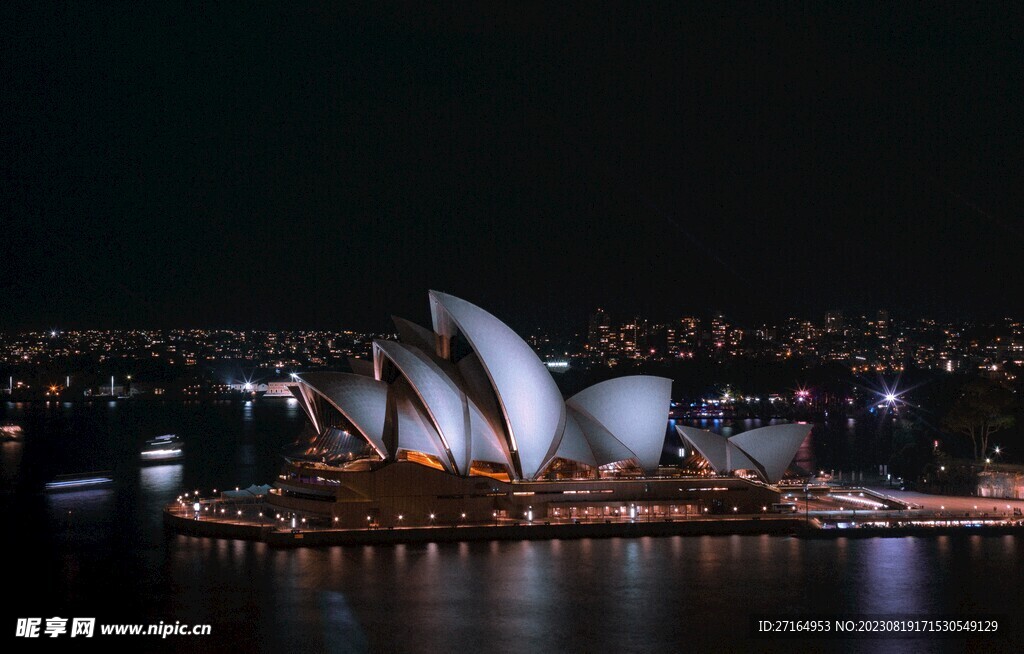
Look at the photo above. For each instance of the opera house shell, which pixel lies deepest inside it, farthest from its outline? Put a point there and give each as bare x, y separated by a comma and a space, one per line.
462, 423
766, 451
471, 396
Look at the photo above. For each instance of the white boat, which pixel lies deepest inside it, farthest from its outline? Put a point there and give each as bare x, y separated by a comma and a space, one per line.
163, 449
83, 481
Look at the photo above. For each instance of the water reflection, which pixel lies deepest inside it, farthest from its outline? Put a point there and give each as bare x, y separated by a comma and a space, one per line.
93, 502
164, 481
899, 574
651, 594
564, 595
10, 463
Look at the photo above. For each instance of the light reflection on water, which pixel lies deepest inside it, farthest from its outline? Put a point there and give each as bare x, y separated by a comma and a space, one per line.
10, 463
164, 481
648, 594
541, 596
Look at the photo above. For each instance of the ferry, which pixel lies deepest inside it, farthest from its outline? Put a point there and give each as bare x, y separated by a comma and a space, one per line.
163, 449
10, 432
82, 481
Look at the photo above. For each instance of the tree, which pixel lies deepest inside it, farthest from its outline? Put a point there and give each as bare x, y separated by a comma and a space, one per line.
911, 448
982, 408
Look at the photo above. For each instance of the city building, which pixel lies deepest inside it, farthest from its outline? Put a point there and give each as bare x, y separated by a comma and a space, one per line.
600, 338
834, 322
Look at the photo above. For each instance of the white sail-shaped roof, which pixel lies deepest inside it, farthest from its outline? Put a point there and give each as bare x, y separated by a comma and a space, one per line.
301, 393
711, 446
531, 403
485, 443
720, 452
361, 366
415, 335
765, 450
574, 445
362, 400
442, 399
772, 448
485, 414
603, 445
416, 431
634, 409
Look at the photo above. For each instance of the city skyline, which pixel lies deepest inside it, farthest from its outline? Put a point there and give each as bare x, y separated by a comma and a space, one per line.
875, 342
565, 323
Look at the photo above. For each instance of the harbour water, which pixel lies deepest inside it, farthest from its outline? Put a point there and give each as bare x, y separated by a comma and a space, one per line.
104, 553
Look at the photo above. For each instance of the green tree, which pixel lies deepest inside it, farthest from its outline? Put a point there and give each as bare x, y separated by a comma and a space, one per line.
982, 408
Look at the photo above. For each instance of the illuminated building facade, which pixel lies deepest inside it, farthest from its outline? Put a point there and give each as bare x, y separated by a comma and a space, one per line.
463, 422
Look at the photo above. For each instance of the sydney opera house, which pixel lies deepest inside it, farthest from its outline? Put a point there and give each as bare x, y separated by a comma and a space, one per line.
463, 423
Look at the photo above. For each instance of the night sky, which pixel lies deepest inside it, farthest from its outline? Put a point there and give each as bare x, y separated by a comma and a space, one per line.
269, 166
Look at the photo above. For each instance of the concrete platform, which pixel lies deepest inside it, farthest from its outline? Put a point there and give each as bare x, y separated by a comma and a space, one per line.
774, 525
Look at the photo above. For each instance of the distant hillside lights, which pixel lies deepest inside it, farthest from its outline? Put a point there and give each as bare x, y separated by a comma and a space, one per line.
866, 344
876, 344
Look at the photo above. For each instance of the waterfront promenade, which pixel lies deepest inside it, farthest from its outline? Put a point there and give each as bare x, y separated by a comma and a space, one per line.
823, 516
248, 524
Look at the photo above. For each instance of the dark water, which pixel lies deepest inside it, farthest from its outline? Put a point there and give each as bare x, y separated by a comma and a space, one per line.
104, 554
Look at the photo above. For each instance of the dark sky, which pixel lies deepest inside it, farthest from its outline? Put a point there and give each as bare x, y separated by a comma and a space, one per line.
269, 165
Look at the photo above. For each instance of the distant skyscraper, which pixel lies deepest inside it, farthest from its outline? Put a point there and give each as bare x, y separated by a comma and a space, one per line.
736, 337
719, 330
882, 324
684, 338
834, 323
599, 333
633, 338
